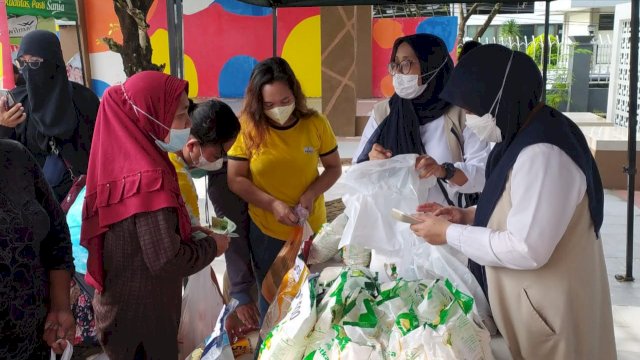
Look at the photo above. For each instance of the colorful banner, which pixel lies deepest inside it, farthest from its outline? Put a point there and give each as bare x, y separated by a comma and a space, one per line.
223, 41
59, 9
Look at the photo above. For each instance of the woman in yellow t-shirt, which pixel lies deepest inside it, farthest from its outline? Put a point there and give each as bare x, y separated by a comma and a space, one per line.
273, 164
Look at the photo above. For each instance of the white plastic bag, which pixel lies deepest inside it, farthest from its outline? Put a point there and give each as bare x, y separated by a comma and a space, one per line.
325, 244
201, 305
370, 190
66, 355
217, 345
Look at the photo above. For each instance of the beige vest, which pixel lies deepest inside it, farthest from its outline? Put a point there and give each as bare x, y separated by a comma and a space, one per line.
561, 310
454, 120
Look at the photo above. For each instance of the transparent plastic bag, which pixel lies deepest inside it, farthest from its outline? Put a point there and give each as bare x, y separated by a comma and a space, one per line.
201, 306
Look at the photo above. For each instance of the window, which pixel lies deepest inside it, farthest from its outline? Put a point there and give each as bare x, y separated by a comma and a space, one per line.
605, 22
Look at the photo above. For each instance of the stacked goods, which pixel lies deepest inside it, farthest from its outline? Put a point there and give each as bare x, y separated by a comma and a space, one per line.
353, 316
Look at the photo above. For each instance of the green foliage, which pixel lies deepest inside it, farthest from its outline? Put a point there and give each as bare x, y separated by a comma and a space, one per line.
535, 50
557, 95
510, 30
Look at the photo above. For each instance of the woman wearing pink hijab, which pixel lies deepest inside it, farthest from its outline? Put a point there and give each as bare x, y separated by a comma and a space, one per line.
135, 223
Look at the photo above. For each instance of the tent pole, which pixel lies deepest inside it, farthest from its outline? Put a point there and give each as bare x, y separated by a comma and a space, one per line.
274, 20
633, 124
171, 29
179, 40
545, 57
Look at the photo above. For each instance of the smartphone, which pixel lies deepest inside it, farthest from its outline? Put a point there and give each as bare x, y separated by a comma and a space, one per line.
401, 216
10, 99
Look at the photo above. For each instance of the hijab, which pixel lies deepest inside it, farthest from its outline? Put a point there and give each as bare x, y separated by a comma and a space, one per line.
55, 107
523, 121
47, 87
128, 173
400, 130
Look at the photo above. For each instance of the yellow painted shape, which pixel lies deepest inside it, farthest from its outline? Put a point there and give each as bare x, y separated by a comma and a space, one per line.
160, 46
303, 51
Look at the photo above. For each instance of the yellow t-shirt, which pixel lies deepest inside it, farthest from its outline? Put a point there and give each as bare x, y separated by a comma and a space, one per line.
285, 166
187, 188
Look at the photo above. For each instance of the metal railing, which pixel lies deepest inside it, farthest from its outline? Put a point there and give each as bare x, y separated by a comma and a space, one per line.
559, 55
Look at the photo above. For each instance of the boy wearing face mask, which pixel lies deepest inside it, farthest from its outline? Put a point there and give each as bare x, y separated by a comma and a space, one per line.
214, 129
415, 120
273, 165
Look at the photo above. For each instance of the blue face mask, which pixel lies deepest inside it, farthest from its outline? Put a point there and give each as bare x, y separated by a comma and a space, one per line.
178, 138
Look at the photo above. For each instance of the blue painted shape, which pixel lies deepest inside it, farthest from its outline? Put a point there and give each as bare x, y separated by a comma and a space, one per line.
98, 87
234, 76
444, 27
240, 8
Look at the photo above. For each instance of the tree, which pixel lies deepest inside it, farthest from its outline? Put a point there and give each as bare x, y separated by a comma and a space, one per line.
135, 49
462, 21
463, 18
485, 26
510, 30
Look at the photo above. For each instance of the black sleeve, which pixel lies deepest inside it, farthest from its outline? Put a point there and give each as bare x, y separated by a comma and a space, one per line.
7, 132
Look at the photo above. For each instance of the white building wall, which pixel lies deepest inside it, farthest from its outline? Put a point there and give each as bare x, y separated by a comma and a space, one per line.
618, 83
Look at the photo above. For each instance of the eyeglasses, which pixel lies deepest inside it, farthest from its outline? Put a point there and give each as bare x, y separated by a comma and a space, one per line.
403, 68
33, 63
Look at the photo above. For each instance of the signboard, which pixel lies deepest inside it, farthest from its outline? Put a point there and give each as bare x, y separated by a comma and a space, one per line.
59, 9
21, 25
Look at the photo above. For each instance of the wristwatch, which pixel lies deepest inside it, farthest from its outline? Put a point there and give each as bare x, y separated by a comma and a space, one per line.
449, 171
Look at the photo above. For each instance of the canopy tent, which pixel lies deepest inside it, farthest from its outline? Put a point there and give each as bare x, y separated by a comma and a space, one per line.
303, 3
630, 170
58, 9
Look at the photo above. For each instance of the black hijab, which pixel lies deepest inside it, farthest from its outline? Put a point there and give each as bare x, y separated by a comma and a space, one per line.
47, 87
56, 108
400, 130
523, 121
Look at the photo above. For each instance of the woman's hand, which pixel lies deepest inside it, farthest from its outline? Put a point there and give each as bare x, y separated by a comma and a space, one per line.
432, 228
12, 117
283, 213
452, 214
379, 153
222, 241
429, 208
426, 166
306, 201
58, 327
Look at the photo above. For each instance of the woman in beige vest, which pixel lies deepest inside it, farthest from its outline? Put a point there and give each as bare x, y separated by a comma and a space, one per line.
415, 120
536, 228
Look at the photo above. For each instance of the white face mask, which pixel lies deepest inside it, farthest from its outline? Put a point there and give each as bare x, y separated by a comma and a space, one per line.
486, 126
205, 164
281, 114
406, 86
178, 138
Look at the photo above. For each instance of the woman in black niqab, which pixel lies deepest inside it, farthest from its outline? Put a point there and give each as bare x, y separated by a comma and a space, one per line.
60, 114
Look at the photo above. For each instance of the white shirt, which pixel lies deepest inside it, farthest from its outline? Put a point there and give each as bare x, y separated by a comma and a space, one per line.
436, 144
546, 188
